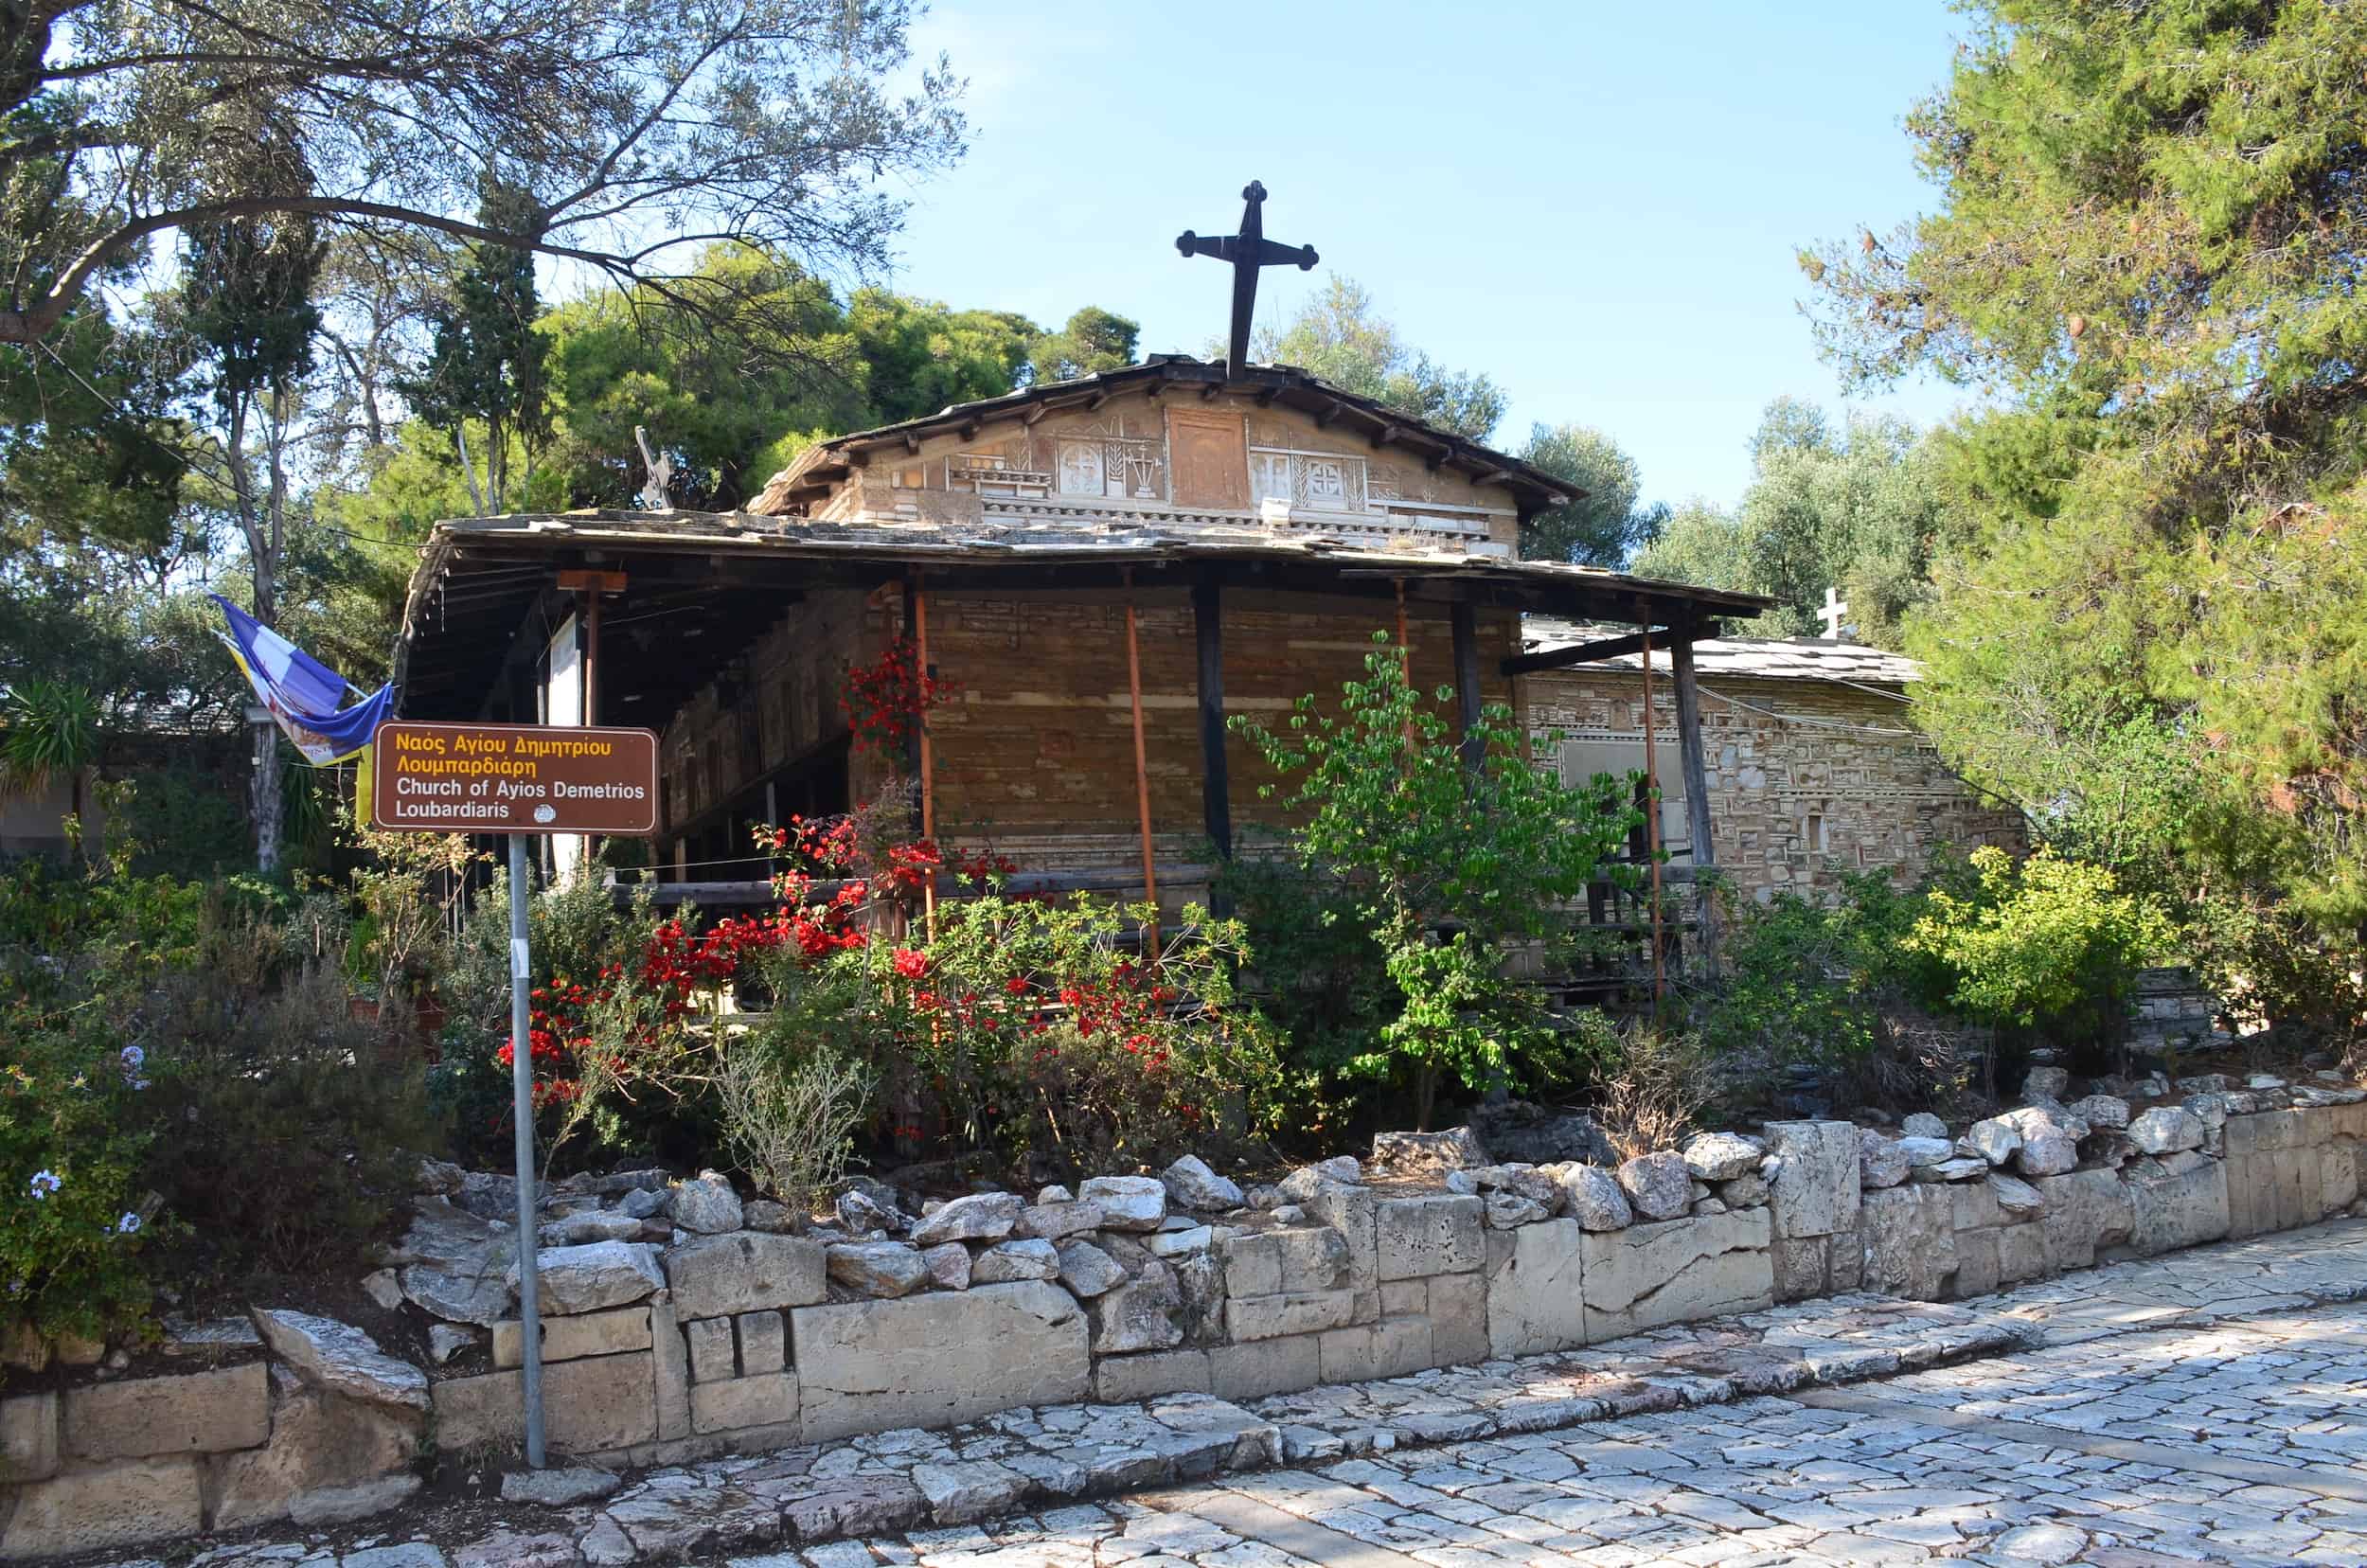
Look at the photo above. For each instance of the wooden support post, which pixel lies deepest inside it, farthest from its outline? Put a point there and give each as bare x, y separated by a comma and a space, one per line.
1651, 820
1142, 775
1214, 788
1405, 664
912, 738
920, 724
1466, 679
1693, 748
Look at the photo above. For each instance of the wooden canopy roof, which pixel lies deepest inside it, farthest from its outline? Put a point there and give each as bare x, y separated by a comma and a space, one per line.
701, 585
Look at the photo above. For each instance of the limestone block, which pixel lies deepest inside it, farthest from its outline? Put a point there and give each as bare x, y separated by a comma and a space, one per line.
1313, 1258
2170, 1212
1436, 1234
1121, 1380
713, 1355
1802, 1264
588, 1406
1458, 1317
321, 1444
1975, 1207
572, 1338
744, 1271
1658, 1186
936, 1359
2338, 1173
763, 1343
1908, 1239
114, 1506
980, 1217
29, 1436
1192, 1185
767, 1399
1265, 1317
340, 1358
1534, 1303
1394, 1348
1721, 1156
2021, 1252
1252, 1262
591, 1277
1594, 1198
1353, 1212
670, 1363
1128, 1203
1264, 1367
1680, 1269
1053, 1222
2274, 1189
198, 1413
2267, 1130
1139, 1314
1029, 1257
1815, 1189
1975, 1263
2165, 1129
2084, 1210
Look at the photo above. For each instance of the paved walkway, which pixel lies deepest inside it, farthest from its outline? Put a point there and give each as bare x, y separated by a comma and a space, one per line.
2208, 1407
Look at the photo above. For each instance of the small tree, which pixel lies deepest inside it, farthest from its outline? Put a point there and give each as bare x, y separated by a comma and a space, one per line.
1450, 860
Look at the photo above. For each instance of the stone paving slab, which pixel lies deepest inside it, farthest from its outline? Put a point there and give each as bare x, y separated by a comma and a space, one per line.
1670, 1446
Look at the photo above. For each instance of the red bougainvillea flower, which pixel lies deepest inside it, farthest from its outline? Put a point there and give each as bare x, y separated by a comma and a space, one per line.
910, 963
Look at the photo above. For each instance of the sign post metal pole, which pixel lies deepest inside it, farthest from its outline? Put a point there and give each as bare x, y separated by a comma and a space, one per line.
520, 780
522, 1095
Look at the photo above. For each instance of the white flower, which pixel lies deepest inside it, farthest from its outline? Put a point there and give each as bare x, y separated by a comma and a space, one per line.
133, 1058
44, 1182
129, 1224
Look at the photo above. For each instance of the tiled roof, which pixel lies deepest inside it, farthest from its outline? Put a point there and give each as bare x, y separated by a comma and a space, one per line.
1760, 658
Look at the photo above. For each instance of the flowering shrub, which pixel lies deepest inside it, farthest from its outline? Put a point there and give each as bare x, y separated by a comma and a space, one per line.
884, 699
74, 1211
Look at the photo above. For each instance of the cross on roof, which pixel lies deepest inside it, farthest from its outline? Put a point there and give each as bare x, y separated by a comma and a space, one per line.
1834, 607
1248, 251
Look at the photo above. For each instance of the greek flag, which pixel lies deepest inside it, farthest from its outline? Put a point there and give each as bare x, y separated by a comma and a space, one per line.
303, 694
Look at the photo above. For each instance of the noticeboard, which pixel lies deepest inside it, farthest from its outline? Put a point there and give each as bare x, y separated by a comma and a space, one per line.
513, 778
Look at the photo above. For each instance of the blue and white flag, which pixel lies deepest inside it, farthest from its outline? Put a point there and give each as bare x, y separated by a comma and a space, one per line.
302, 693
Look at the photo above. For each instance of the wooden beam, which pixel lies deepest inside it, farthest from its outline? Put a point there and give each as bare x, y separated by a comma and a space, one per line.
588, 582
1385, 435
1695, 751
912, 444
1465, 622
1142, 768
1331, 411
970, 429
1215, 787
1651, 820
1587, 652
1096, 401
1034, 411
1208, 390
920, 723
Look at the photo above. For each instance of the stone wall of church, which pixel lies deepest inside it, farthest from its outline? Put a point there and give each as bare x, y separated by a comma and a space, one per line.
1807, 779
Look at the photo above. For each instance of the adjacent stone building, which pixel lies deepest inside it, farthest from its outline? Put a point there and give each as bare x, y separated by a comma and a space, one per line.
1813, 764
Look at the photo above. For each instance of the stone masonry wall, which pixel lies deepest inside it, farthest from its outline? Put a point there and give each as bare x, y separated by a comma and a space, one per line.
1807, 779
683, 1320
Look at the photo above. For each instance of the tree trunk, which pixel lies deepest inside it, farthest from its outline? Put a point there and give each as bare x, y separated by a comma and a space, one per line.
264, 802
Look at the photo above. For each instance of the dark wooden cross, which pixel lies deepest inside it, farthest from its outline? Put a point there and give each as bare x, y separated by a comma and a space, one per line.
1248, 251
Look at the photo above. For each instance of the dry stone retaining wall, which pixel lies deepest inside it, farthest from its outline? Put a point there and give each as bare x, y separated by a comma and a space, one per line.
668, 1341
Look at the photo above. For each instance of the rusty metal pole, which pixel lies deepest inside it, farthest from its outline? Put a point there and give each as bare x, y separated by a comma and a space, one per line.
1142, 772
1651, 796
1405, 662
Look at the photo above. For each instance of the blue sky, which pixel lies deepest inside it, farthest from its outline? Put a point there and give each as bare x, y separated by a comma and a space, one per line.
1597, 205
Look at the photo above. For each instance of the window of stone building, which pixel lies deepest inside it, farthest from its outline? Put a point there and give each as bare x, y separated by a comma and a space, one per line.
1815, 836
1581, 760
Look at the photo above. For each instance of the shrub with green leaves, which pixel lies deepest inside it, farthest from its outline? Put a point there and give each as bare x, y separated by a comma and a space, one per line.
2044, 940
1446, 864
74, 1210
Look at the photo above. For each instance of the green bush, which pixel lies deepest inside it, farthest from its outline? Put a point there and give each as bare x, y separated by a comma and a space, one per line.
2042, 942
1814, 983
74, 1217
1451, 849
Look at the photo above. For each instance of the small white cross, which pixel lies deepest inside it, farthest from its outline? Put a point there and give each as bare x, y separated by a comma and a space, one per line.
1834, 607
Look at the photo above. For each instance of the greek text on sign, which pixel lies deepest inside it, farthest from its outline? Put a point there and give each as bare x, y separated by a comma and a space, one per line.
513, 778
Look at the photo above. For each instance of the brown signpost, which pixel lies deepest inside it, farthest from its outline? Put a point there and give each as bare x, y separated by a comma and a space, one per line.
513, 778
517, 779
